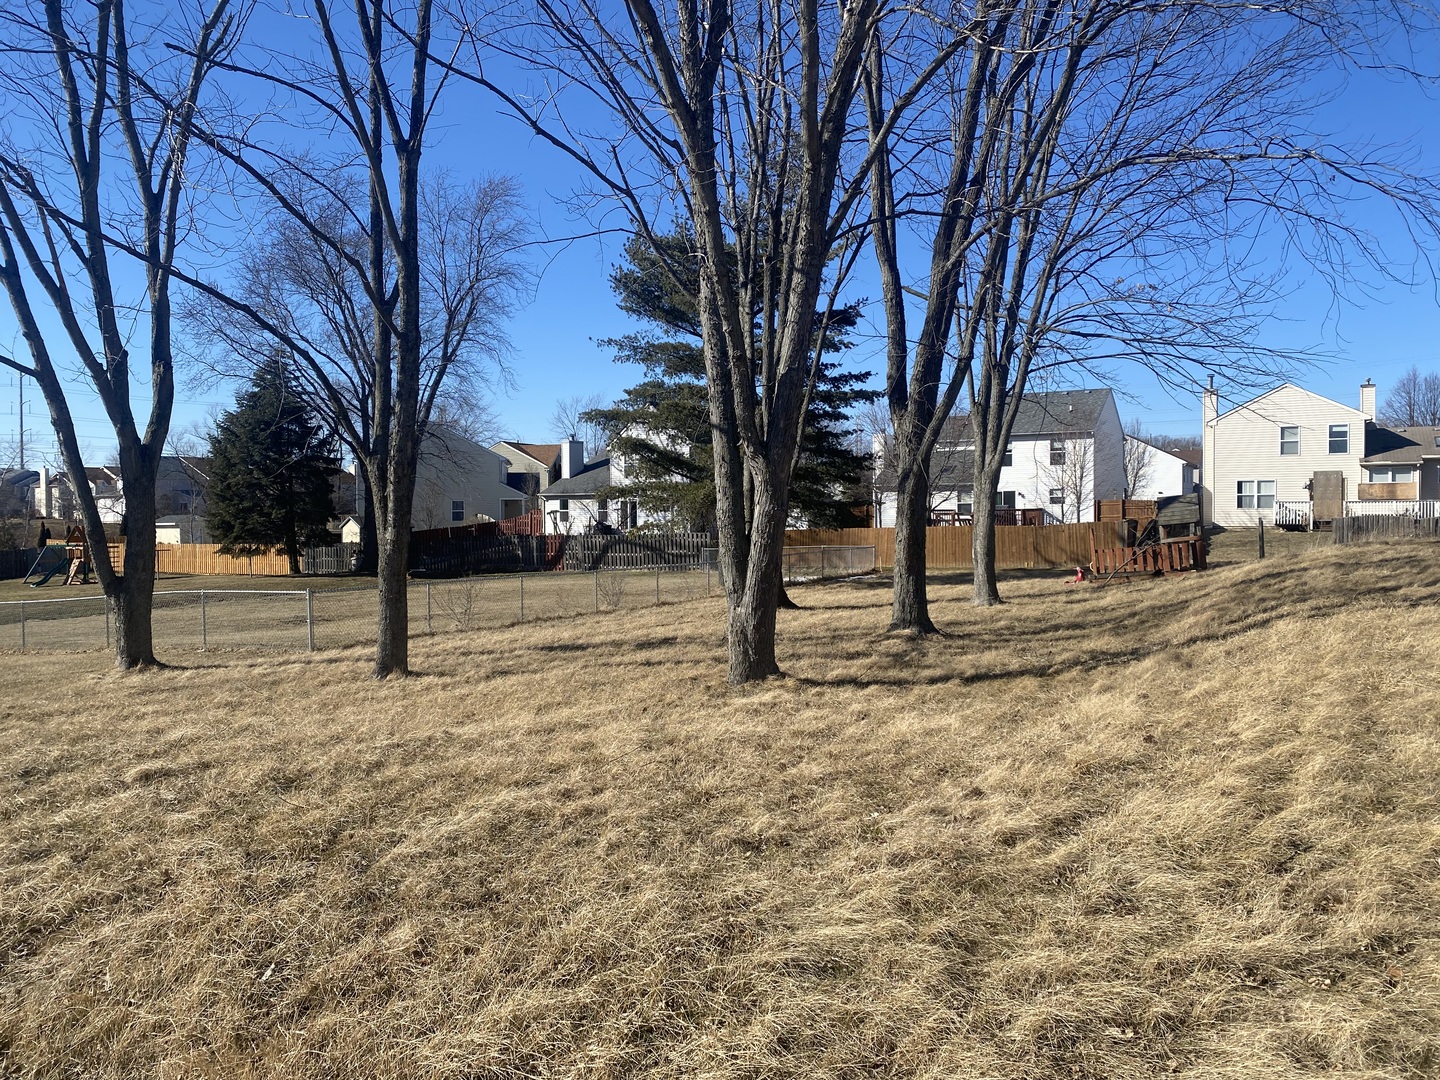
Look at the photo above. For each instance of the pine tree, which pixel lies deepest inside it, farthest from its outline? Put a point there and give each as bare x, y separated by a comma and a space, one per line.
270, 473
662, 425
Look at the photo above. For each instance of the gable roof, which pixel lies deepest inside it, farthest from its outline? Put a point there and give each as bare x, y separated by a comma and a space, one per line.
540, 453
1255, 401
1190, 457
1054, 412
586, 482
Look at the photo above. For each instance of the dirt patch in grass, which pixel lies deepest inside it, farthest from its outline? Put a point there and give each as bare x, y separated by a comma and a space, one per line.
1183, 827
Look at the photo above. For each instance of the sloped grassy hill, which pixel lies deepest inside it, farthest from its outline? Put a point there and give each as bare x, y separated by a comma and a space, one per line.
1183, 827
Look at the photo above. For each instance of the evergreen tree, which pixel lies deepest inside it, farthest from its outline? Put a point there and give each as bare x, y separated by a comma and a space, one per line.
661, 425
270, 473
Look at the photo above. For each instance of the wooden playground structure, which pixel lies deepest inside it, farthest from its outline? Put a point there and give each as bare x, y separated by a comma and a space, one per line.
1162, 537
72, 555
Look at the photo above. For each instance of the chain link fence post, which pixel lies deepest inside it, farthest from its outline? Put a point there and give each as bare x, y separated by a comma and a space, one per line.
657, 584
204, 629
429, 629
522, 597
310, 619
597, 592
22, 625
107, 619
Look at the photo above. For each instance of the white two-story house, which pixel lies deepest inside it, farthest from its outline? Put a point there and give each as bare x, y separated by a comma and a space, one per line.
1281, 458
1067, 450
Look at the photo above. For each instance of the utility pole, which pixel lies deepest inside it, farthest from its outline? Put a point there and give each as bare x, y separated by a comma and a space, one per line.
22, 423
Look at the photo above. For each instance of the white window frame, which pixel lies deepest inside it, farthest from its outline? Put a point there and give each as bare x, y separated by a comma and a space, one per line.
1057, 496
1392, 472
1344, 430
1295, 441
562, 515
1255, 494
457, 509
1058, 452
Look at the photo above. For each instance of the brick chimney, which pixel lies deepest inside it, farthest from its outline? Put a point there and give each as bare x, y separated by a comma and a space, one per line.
1367, 399
572, 457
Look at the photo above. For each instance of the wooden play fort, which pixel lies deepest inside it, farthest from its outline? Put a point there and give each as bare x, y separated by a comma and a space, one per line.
1142, 537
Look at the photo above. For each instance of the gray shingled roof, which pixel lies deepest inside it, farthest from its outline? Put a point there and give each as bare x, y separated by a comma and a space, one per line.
586, 482
1057, 412
1401, 446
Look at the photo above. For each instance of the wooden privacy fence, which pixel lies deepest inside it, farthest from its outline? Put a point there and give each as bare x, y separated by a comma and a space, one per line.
1017, 547
14, 562
206, 559
1353, 530
1120, 509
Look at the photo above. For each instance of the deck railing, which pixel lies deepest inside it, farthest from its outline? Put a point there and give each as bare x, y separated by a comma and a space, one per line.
1290, 513
1411, 508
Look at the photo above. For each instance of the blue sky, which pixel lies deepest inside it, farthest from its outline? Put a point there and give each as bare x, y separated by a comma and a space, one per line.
1378, 333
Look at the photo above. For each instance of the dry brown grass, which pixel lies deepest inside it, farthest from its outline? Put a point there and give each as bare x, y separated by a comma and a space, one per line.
1183, 827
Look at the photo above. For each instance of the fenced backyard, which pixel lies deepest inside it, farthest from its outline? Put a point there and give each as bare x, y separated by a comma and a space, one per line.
297, 619
947, 547
1354, 530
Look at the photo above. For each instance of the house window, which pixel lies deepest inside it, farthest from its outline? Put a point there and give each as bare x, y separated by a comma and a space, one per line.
1005, 500
457, 511
965, 501
1289, 441
629, 513
602, 515
1009, 458
1339, 438
1391, 474
1057, 452
1255, 495
1057, 496
564, 514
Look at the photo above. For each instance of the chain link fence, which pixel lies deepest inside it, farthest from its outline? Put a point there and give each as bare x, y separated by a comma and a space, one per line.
300, 619
321, 618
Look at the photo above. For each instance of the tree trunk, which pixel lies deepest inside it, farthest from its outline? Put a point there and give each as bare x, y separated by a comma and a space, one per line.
752, 620
369, 560
982, 547
132, 593
910, 602
392, 651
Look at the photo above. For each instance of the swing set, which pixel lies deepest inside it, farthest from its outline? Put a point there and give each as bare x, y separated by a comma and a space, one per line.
72, 556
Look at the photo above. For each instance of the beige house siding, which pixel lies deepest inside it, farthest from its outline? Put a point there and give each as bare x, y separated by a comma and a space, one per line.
1244, 445
452, 469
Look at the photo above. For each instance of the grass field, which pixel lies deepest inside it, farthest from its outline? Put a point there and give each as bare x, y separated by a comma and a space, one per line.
1183, 827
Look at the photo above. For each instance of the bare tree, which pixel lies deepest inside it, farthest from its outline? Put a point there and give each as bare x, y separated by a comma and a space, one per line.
1413, 401
300, 290
1104, 154
1068, 476
375, 91
1139, 457
738, 121
109, 120
570, 419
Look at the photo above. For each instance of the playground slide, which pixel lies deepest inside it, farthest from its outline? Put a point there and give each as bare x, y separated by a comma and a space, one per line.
63, 565
61, 561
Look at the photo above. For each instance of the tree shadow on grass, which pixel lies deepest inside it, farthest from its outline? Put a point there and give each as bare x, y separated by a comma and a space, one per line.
1147, 625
